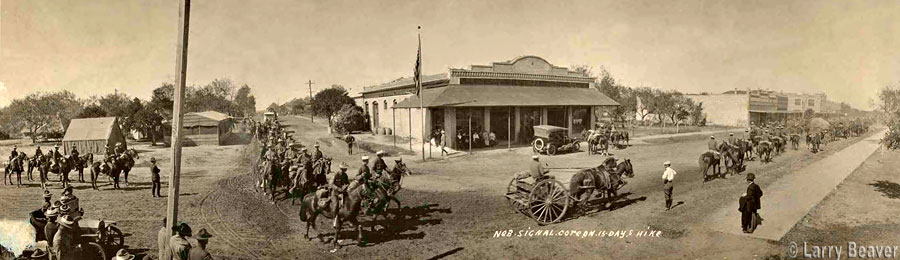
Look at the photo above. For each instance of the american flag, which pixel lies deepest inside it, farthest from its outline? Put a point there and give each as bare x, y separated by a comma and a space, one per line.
418, 70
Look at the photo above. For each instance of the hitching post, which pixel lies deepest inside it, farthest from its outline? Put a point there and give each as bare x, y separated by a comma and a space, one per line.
181, 63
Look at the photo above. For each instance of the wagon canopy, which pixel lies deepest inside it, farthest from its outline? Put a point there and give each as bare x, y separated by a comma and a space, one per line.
819, 124
546, 130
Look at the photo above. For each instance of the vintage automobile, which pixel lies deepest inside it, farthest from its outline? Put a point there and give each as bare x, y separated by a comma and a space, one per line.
550, 139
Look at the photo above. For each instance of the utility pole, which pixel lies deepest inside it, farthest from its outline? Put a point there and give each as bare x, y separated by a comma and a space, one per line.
310, 83
181, 62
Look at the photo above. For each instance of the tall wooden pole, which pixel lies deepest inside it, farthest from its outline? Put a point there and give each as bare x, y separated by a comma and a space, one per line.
409, 123
421, 98
508, 129
181, 63
313, 115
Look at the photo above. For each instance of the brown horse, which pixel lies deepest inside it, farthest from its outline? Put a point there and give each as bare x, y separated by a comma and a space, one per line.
709, 160
347, 211
764, 151
795, 141
746, 149
604, 180
733, 156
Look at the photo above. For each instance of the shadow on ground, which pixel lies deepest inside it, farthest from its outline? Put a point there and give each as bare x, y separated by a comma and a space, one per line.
887, 188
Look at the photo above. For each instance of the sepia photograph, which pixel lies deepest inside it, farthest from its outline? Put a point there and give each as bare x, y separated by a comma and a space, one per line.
461, 129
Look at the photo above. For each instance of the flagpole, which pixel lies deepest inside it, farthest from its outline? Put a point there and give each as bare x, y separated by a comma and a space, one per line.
419, 87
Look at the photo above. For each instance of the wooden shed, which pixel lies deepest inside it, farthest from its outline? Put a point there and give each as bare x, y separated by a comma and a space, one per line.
93, 135
204, 128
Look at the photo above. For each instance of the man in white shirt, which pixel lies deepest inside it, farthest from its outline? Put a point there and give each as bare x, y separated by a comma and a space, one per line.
668, 176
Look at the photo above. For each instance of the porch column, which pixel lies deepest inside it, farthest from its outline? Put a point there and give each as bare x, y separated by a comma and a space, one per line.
569, 119
487, 119
450, 126
517, 124
543, 115
592, 119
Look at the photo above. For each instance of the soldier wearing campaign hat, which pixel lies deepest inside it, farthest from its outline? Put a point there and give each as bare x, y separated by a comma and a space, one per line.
364, 173
199, 252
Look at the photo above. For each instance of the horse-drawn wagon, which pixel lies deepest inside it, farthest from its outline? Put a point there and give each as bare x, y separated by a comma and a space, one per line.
550, 139
547, 200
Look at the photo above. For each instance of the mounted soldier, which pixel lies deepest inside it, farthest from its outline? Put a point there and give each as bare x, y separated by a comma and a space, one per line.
364, 174
713, 146
380, 166
318, 154
14, 153
338, 187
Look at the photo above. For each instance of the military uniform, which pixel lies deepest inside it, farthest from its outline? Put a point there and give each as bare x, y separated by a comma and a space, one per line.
537, 170
317, 155
364, 173
339, 183
380, 166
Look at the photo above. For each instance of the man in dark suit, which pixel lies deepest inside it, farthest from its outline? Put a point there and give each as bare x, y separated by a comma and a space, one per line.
750, 203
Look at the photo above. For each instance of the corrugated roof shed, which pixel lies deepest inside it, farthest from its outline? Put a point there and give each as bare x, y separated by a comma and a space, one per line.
206, 118
90, 128
501, 95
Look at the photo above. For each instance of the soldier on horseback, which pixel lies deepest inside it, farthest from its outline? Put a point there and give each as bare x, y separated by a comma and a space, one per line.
318, 154
380, 166
364, 174
14, 153
338, 187
714, 147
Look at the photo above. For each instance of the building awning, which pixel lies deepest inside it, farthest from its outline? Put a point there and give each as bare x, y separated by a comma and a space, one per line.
502, 95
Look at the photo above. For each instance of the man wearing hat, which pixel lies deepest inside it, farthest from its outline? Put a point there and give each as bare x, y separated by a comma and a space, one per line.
713, 146
443, 140
179, 247
154, 178
537, 168
123, 255
66, 238
364, 173
47, 197
750, 204
120, 148
318, 154
51, 227
668, 177
731, 139
380, 166
14, 153
338, 185
349, 139
199, 252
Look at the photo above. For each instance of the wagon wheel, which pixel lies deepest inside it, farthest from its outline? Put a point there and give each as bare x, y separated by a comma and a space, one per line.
92, 250
538, 145
513, 190
114, 239
548, 202
551, 149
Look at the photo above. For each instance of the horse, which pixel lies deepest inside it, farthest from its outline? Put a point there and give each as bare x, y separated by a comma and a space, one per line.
600, 142
795, 141
709, 160
33, 163
125, 162
606, 181
347, 211
777, 144
734, 155
62, 166
746, 149
764, 151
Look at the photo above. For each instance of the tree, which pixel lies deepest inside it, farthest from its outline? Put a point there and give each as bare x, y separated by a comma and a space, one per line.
809, 113
131, 109
163, 99
697, 114
90, 111
147, 120
245, 102
349, 118
889, 104
115, 104
330, 100
39, 111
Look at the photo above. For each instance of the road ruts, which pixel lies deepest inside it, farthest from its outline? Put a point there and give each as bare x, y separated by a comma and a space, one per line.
214, 222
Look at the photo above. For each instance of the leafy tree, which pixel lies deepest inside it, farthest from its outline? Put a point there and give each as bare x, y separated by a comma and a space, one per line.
349, 118
697, 114
90, 111
38, 111
115, 104
330, 100
244, 101
889, 104
147, 120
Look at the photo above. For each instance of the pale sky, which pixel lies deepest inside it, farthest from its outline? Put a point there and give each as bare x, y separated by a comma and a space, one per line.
846, 49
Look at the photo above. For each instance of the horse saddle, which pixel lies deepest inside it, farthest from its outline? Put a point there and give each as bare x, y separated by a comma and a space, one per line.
323, 197
716, 154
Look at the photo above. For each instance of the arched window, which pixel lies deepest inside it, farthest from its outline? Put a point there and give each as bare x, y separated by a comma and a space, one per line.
385, 104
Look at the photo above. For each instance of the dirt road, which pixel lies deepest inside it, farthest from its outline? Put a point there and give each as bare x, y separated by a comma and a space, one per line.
452, 208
